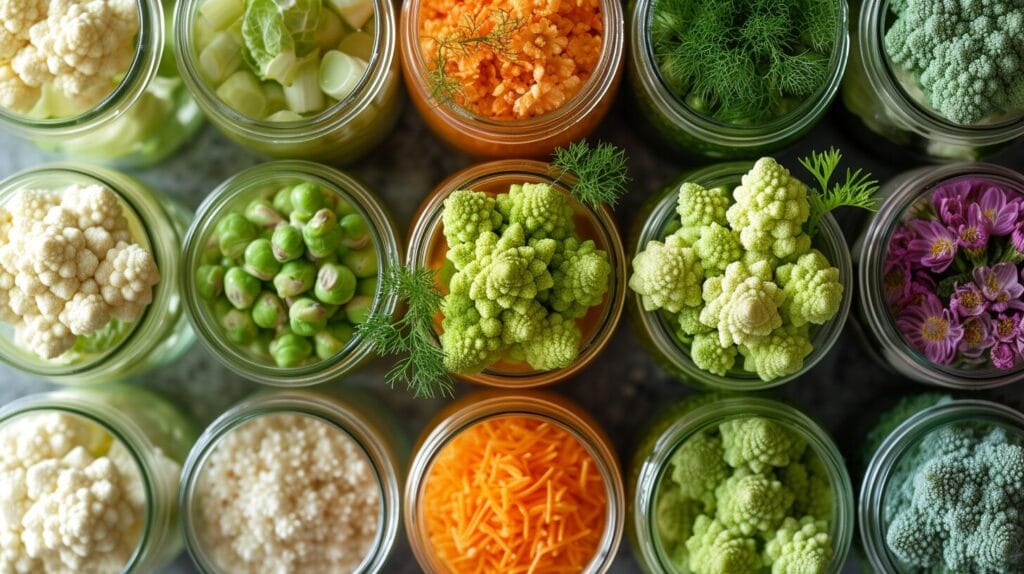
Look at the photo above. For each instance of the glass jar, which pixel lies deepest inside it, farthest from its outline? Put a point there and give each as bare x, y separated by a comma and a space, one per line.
689, 131
677, 424
881, 332
534, 137
232, 196
340, 134
149, 116
489, 405
427, 249
162, 334
873, 92
872, 512
357, 415
153, 432
656, 330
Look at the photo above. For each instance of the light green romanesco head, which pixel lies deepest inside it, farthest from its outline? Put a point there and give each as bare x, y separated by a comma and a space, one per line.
800, 547
520, 327
699, 206
580, 279
759, 443
810, 485
780, 354
558, 346
717, 247
512, 275
698, 468
690, 325
717, 549
667, 275
743, 304
542, 210
770, 211
470, 341
752, 502
812, 288
708, 354
674, 518
467, 215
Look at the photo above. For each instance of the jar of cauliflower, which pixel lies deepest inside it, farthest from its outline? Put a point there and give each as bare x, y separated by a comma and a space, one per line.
89, 481
89, 275
296, 482
92, 79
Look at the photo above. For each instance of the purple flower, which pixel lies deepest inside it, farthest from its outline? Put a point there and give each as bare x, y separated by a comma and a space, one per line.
1000, 212
899, 243
1003, 356
1006, 328
968, 301
931, 330
920, 290
977, 337
935, 247
1017, 237
896, 281
973, 235
1000, 285
950, 201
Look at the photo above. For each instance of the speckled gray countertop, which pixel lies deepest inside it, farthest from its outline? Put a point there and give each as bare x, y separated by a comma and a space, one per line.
622, 388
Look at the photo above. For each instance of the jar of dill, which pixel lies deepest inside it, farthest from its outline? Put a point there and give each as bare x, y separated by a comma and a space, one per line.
735, 78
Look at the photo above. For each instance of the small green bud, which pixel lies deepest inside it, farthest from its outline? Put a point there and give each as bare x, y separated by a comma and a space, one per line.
260, 261
234, 233
295, 278
322, 234
241, 288
261, 213
282, 202
357, 310
343, 208
290, 350
367, 286
210, 254
307, 317
362, 262
333, 339
287, 243
356, 231
239, 327
210, 281
307, 199
259, 347
335, 284
269, 311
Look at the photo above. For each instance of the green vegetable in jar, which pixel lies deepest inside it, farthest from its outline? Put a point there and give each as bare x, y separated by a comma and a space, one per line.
335, 284
290, 350
269, 311
356, 231
295, 278
357, 310
240, 288
363, 263
261, 213
260, 261
287, 243
307, 199
307, 316
239, 327
210, 281
234, 233
332, 340
322, 234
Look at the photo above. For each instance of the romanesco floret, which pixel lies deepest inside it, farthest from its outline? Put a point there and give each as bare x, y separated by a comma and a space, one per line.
708, 354
812, 288
542, 210
752, 502
470, 341
674, 518
717, 549
557, 347
780, 354
810, 485
698, 468
717, 247
667, 275
966, 56
690, 325
743, 304
759, 443
513, 275
580, 279
699, 206
468, 215
770, 211
800, 547
521, 327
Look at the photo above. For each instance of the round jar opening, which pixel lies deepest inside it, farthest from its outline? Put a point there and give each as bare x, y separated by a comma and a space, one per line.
276, 288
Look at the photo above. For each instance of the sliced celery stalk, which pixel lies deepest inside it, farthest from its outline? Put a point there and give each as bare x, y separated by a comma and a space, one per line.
275, 97
354, 12
221, 57
358, 44
284, 116
329, 30
340, 74
304, 95
222, 13
242, 91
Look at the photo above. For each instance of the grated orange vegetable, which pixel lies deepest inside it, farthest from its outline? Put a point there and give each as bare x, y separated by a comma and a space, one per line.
516, 495
544, 63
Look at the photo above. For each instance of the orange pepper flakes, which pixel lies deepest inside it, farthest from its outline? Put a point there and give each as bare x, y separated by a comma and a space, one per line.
515, 495
547, 60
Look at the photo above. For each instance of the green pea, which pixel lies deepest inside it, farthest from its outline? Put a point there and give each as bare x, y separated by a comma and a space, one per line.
210, 255
269, 311
367, 286
322, 234
241, 288
343, 208
261, 344
357, 310
335, 284
210, 281
295, 278
239, 327
260, 261
287, 243
282, 202
332, 340
307, 199
261, 213
356, 231
362, 262
234, 233
290, 350
307, 317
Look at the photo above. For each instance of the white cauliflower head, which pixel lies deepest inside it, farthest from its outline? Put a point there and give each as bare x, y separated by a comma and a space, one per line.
126, 279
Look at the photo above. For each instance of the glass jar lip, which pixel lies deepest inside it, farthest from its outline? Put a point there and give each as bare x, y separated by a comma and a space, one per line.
584, 102
145, 63
329, 120
493, 404
730, 407
427, 222
871, 274
707, 128
652, 322
891, 450
336, 413
383, 234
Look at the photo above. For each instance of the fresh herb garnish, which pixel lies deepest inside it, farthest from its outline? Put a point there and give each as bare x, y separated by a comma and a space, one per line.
410, 336
601, 172
858, 190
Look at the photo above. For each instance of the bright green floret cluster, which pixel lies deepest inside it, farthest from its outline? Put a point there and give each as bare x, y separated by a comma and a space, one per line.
745, 498
522, 278
966, 56
290, 276
739, 274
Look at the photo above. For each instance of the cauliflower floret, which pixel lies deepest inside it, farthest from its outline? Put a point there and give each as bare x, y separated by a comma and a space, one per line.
468, 215
16, 95
126, 279
770, 211
30, 65
800, 547
667, 275
743, 304
96, 206
85, 313
812, 288
44, 336
759, 443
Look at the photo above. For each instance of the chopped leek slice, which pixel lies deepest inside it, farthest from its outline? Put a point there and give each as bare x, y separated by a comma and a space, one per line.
282, 68
242, 91
222, 13
329, 30
221, 57
275, 97
358, 44
340, 74
304, 95
354, 12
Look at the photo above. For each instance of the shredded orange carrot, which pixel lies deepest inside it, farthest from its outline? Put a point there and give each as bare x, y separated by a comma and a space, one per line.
491, 506
536, 68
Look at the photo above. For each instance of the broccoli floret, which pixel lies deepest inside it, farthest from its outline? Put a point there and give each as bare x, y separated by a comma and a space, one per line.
759, 443
752, 502
557, 347
698, 468
743, 304
812, 288
699, 206
717, 247
542, 210
468, 215
667, 275
770, 211
709, 355
580, 279
717, 549
780, 354
512, 275
471, 342
800, 547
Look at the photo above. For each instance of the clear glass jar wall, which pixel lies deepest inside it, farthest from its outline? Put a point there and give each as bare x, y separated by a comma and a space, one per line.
654, 328
162, 333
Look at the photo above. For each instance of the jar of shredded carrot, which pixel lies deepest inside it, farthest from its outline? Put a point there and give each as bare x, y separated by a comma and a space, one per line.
512, 78
514, 483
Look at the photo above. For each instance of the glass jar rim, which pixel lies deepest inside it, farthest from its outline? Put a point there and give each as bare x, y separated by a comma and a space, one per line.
709, 129
895, 445
664, 338
584, 102
492, 404
720, 410
336, 117
911, 188
217, 203
427, 223
337, 414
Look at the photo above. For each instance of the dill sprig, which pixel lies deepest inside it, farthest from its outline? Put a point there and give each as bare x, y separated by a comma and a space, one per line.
410, 336
601, 172
858, 190
468, 36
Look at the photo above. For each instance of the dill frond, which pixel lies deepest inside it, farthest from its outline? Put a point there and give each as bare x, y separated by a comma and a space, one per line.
857, 190
601, 172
